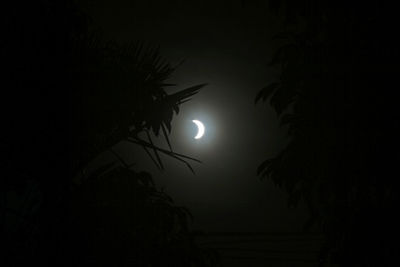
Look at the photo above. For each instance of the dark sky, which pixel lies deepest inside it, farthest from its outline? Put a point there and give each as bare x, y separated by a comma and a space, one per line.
226, 45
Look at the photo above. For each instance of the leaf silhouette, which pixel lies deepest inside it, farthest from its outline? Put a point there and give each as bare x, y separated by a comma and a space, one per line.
266, 92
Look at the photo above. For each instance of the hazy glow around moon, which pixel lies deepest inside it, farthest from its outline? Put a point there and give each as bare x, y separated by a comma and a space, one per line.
200, 127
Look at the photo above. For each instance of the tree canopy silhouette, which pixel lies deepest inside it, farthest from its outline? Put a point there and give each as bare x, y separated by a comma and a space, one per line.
71, 95
334, 96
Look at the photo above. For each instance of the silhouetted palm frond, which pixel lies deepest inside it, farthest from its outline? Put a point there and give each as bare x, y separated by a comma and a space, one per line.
70, 95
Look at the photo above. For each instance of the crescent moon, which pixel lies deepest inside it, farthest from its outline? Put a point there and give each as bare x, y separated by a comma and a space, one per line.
200, 127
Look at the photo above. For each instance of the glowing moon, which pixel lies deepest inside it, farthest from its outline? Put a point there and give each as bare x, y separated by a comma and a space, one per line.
200, 127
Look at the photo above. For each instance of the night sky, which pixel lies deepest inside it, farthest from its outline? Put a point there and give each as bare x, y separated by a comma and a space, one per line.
228, 46
298, 165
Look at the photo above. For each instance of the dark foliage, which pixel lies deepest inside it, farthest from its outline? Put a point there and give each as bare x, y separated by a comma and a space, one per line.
68, 96
121, 218
336, 96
